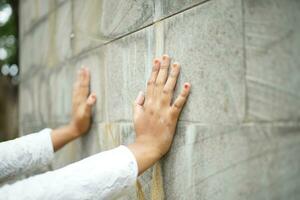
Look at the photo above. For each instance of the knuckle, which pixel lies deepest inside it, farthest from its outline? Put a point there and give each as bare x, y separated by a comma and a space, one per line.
164, 67
159, 84
174, 113
155, 69
177, 106
166, 91
183, 96
173, 75
150, 82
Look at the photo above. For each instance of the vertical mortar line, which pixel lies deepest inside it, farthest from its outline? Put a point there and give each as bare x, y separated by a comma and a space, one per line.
246, 106
190, 138
158, 10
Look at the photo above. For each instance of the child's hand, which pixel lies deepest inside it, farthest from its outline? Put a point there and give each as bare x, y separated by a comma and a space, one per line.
82, 102
155, 116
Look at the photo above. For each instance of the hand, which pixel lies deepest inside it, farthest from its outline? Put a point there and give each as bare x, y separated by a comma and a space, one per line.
155, 116
82, 104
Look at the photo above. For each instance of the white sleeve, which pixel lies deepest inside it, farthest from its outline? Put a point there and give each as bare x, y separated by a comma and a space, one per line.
106, 175
25, 154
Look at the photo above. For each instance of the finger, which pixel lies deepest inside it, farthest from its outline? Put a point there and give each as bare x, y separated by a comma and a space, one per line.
83, 83
85, 77
180, 100
163, 71
138, 105
78, 92
91, 100
172, 79
153, 76
140, 99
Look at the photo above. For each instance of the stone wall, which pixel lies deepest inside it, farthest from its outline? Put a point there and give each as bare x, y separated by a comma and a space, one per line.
239, 134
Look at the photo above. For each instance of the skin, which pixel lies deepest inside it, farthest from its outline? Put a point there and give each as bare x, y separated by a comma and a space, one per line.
82, 103
155, 115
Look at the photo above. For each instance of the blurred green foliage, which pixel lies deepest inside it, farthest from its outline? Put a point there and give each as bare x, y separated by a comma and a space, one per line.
9, 33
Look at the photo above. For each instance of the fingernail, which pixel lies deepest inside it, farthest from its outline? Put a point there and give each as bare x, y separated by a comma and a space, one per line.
156, 61
141, 94
165, 57
175, 64
139, 99
186, 85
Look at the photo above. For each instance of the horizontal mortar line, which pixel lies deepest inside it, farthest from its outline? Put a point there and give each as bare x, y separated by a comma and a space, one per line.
244, 161
252, 158
269, 85
205, 137
143, 27
294, 122
274, 103
43, 18
291, 123
258, 116
127, 34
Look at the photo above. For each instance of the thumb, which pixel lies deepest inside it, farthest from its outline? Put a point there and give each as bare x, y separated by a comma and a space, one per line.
91, 100
139, 102
140, 98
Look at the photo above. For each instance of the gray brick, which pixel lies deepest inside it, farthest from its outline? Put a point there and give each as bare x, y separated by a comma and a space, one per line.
272, 45
207, 41
95, 62
26, 55
169, 7
62, 25
60, 94
127, 64
231, 162
93, 24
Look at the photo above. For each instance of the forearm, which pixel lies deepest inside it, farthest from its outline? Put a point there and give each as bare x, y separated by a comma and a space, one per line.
146, 155
103, 176
25, 154
63, 135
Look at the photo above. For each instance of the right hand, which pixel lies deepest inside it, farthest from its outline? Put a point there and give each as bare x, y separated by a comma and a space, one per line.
155, 116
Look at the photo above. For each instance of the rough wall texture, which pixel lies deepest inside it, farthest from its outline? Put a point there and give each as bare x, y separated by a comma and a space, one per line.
239, 135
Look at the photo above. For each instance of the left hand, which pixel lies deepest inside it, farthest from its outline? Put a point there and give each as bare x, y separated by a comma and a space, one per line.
82, 103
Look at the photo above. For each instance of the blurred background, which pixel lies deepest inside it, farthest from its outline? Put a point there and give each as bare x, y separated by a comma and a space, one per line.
9, 66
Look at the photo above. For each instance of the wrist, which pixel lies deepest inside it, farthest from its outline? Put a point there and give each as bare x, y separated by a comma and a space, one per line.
149, 147
145, 152
73, 130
